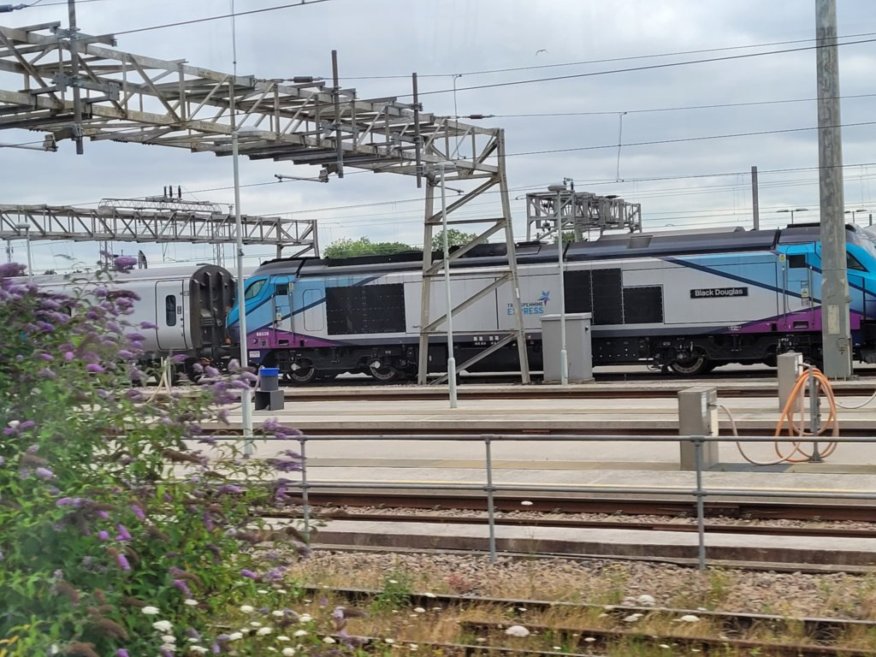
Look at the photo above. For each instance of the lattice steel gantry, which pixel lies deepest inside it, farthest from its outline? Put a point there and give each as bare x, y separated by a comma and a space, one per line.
134, 98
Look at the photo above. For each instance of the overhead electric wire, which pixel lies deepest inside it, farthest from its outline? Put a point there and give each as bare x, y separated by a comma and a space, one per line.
677, 108
599, 61
206, 19
657, 142
632, 69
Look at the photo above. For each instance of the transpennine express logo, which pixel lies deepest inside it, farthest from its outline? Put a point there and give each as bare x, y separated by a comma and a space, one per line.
532, 307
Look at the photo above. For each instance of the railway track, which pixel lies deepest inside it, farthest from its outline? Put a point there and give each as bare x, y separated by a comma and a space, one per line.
763, 530
751, 509
604, 629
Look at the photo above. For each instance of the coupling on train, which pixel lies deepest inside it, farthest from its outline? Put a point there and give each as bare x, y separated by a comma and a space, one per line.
186, 306
688, 301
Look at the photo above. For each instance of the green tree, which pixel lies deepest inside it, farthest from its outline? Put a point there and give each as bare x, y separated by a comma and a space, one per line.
349, 248
454, 238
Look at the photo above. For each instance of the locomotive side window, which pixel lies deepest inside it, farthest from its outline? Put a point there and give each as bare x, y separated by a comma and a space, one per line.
254, 288
797, 261
281, 290
170, 309
853, 263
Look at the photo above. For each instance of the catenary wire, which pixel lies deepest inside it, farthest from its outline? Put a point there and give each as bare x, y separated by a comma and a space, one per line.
632, 69
206, 19
682, 108
731, 135
600, 61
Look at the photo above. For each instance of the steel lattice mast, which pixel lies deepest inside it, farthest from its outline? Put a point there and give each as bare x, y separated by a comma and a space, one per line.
126, 97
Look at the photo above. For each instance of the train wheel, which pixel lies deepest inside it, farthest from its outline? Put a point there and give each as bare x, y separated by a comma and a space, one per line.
306, 373
698, 363
384, 373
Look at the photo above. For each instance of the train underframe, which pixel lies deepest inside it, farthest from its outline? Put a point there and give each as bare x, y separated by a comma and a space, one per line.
684, 355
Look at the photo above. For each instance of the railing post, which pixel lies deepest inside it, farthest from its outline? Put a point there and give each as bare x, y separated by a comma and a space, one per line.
305, 495
491, 505
814, 417
701, 512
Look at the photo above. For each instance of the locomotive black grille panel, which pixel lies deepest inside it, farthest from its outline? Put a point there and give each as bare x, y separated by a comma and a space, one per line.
607, 296
578, 291
599, 292
643, 305
365, 309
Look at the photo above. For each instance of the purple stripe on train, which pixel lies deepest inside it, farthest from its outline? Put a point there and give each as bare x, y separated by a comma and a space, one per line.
276, 339
799, 322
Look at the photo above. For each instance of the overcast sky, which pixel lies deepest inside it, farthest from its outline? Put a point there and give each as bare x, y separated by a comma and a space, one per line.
458, 40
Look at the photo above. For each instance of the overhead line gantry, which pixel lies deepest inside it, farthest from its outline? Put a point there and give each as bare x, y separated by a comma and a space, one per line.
126, 97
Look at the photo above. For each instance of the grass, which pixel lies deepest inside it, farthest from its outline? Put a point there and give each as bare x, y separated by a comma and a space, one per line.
390, 614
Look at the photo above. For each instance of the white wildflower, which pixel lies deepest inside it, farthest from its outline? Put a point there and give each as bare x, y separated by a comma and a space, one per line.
190, 602
288, 652
392, 581
164, 626
234, 636
305, 618
262, 591
419, 610
632, 618
429, 595
665, 646
517, 630
264, 631
247, 609
278, 613
389, 641
481, 639
150, 611
282, 591
413, 646
255, 623
300, 633
201, 650
589, 639
283, 637
168, 638
328, 639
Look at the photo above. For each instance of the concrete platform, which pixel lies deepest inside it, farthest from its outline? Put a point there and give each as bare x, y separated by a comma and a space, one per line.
602, 542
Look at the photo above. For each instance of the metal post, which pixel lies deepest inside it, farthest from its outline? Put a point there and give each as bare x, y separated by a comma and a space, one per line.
451, 360
701, 512
835, 331
246, 394
491, 506
29, 258
564, 358
305, 495
74, 74
755, 204
814, 417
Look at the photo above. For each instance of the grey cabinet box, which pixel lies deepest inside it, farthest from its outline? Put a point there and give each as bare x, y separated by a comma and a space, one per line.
578, 347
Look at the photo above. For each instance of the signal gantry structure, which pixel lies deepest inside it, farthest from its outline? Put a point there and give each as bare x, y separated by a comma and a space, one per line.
72, 86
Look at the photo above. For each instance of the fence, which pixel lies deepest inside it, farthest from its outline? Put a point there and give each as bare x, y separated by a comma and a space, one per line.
698, 493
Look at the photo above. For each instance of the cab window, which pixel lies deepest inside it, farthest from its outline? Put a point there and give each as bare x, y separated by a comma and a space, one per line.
254, 288
853, 263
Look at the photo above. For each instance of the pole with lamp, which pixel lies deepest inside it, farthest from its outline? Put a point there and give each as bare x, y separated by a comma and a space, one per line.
558, 220
792, 211
26, 229
854, 212
451, 360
